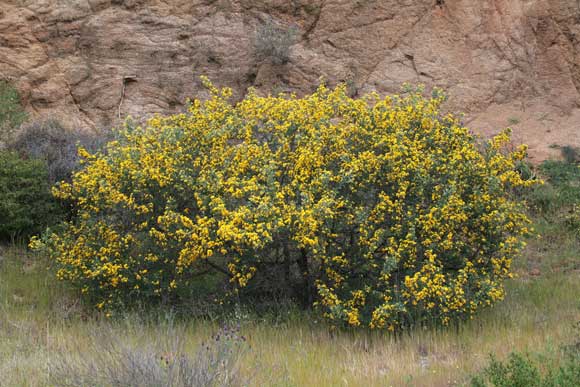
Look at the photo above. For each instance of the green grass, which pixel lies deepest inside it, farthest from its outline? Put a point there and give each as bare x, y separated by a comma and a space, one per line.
40, 319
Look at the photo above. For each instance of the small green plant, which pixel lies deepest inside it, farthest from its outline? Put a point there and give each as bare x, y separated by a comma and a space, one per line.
566, 178
571, 154
559, 172
561, 191
312, 9
351, 87
521, 371
544, 117
517, 371
11, 112
26, 205
273, 42
573, 220
543, 199
513, 120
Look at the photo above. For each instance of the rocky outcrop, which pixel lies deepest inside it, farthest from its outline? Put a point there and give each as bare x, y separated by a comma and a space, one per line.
502, 62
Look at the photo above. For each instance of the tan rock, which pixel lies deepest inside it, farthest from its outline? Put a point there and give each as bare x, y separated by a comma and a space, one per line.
502, 62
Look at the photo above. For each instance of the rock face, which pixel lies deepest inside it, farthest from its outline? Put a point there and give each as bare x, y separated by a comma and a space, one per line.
502, 62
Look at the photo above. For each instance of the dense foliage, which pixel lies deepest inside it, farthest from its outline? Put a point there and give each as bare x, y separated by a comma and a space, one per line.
26, 205
380, 212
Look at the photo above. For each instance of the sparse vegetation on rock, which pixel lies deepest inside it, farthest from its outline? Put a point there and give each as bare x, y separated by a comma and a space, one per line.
12, 114
273, 42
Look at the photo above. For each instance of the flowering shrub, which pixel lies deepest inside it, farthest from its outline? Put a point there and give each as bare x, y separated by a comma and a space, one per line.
383, 212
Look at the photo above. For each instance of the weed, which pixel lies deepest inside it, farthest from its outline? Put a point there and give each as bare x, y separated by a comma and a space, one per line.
273, 42
12, 113
513, 120
571, 154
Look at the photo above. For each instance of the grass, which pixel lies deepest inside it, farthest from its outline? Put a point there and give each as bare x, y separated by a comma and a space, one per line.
40, 320
538, 314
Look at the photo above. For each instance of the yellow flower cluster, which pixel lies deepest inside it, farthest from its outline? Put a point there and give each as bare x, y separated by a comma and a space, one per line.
382, 211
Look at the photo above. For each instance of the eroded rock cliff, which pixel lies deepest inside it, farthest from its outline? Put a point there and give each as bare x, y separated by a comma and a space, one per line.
503, 62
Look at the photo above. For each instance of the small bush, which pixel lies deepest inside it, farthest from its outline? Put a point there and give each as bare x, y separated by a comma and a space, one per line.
561, 191
11, 112
544, 199
571, 154
573, 220
273, 42
50, 141
26, 205
378, 212
39, 150
560, 172
520, 371
513, 120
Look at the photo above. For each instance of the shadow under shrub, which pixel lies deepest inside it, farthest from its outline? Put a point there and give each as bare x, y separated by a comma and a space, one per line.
378, 212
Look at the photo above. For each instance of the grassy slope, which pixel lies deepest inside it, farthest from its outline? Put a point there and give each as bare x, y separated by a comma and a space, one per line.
39, 318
